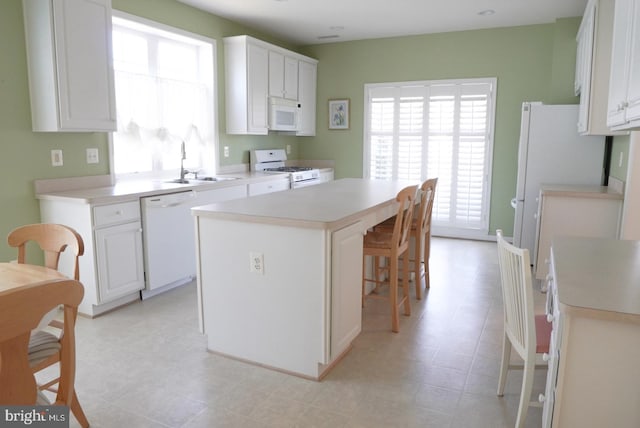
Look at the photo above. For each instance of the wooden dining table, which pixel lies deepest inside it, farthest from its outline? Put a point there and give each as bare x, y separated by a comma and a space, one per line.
15, 275
22, 288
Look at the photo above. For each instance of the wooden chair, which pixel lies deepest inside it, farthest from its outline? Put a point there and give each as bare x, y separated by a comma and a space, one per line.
21, 309
392, 246
45, 349
421, 233
527, 333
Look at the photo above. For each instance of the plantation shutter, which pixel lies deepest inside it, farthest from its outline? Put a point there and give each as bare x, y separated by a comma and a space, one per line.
419, 130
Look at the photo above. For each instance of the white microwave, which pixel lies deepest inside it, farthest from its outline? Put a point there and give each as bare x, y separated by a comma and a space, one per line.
283, 114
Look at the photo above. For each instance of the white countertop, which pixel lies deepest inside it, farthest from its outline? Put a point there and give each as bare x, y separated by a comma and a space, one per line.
322, 206
130, 190
598, 274
571, 191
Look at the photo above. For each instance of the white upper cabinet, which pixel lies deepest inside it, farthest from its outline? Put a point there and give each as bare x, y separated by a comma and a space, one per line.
70, 69
246, 83
283, 76
593, 62
256, 70
624, 86
307, 77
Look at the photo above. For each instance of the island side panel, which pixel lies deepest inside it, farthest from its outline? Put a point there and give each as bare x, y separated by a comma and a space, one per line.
275, 318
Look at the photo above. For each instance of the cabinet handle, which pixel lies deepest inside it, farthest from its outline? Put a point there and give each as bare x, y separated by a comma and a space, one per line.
541, 398
545, 357
549, 318
119, 212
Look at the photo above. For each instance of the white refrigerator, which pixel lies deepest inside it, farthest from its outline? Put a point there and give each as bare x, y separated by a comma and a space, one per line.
551, 152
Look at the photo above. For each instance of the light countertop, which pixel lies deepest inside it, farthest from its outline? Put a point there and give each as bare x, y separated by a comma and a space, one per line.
131, 190
598, 274
321, 206
562, 190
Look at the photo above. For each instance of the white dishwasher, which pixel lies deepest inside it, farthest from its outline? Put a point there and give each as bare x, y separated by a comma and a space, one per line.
169, 241
169, 238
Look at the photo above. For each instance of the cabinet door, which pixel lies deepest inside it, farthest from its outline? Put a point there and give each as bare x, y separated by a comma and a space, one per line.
257, 75
283, 76
346, 287
290, 78
633, 90
69, 60
619, 63
85, 75
307, 97
276, 74
119, 260
584, 58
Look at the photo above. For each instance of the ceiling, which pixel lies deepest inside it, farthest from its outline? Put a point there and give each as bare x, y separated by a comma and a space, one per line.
306, 22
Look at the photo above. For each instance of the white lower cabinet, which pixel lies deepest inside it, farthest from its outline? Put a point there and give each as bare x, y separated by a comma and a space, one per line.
326, 175
593, 375
111, 268
270, 186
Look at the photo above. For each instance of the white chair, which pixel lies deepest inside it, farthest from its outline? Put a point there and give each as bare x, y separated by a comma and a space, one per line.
528, 334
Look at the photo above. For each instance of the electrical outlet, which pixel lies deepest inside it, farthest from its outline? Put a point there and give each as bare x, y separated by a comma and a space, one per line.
620, 160
256, 263
92, 156
288, 149
226, 151
56, 157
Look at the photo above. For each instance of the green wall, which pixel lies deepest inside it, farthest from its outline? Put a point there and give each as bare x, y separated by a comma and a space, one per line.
531, 63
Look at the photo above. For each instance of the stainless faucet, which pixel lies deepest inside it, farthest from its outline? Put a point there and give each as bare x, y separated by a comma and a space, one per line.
183, 156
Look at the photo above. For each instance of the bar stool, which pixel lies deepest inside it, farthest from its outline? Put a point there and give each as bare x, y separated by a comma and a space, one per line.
391, 246
421, 233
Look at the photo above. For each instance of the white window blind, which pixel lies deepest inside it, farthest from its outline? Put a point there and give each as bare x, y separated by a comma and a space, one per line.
164, 95
419, 130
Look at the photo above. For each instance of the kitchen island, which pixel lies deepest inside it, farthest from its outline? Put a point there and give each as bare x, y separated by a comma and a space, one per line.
594, 306
279, 275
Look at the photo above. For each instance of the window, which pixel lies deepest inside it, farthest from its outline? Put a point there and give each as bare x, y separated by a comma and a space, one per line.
164, 96
444, 129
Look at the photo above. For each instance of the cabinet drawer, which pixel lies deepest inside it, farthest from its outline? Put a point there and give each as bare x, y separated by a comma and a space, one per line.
268, 187
117, 213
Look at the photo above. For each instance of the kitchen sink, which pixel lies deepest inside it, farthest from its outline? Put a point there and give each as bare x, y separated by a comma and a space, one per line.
215, 179
201, 180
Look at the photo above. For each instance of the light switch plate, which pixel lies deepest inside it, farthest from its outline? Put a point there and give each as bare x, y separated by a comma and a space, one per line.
226, 151
256, 262
92, 156
56, 157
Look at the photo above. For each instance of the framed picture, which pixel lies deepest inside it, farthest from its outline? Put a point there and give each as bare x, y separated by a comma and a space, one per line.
339, 114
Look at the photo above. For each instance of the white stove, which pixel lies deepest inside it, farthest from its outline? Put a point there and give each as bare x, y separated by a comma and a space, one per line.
273, 161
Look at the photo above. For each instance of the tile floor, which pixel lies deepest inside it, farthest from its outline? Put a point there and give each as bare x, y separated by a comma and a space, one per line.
146, 365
